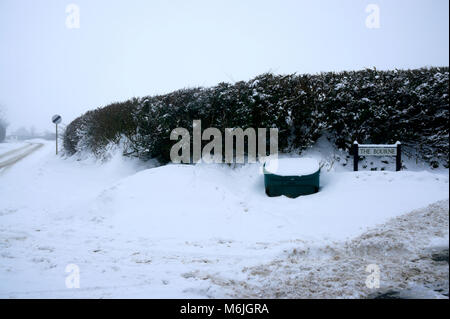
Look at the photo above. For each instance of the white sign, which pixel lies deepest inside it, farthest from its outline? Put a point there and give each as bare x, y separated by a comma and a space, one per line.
377, 150
56, 119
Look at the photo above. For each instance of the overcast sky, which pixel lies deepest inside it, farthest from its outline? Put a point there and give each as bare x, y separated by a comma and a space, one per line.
136, 48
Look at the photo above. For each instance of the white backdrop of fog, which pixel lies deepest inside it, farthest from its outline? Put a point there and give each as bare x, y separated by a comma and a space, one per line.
136, 48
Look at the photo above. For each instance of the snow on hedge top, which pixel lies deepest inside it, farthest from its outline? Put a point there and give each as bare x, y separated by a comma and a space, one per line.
292, 166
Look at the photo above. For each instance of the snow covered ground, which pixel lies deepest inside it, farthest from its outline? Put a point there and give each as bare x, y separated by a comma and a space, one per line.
204, 230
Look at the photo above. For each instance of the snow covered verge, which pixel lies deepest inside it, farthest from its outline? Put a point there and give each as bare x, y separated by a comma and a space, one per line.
205, 230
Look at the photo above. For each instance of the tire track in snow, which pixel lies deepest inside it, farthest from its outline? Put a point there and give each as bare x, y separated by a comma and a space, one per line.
403, 248
20, 155
11, 152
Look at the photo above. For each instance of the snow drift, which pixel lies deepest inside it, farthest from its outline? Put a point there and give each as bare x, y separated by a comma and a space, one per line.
198, 202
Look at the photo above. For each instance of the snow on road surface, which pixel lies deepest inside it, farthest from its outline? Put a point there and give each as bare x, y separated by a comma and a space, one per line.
184, 231
11, 153
9, 146
12, 157
404, 251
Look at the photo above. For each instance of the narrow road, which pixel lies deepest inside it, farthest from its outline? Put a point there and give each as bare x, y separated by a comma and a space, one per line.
10, 158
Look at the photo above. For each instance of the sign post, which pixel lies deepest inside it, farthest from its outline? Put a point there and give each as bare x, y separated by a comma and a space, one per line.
355, 156
398, 165
377, 150
56, 119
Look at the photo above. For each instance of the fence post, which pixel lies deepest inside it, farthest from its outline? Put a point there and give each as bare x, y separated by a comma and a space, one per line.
355, 156
398, 165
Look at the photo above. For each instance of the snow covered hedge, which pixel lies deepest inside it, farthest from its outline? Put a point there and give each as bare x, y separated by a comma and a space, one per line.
370, 106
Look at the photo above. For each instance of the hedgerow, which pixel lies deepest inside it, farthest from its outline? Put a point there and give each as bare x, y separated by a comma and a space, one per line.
370, 106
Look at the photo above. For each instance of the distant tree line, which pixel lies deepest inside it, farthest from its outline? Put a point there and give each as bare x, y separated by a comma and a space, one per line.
370, 106
24, 133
